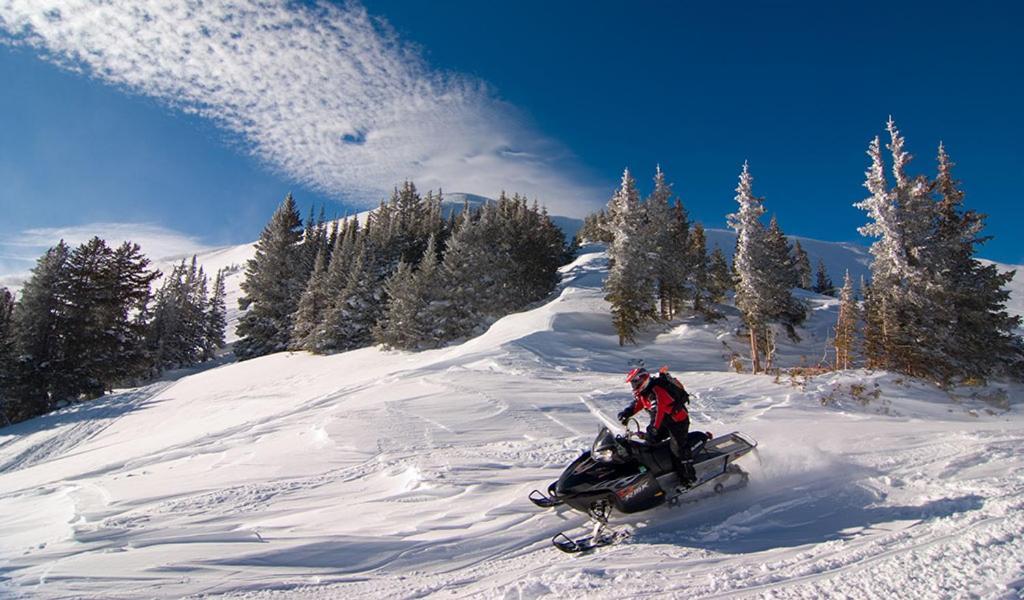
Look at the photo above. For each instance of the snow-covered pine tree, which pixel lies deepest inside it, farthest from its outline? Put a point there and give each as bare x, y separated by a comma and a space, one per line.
753, 293
430, 289
595, 228
802, 264
314, 301
467, 278
216, 318
273, 284
822, 282
665, 256
629, 287
359, 305
846, 326
414, 314
905, 316
400, 328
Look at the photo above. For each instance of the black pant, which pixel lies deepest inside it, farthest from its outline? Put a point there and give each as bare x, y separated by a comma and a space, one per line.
679, 445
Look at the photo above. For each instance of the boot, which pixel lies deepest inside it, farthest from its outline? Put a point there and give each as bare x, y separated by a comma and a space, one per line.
686, 472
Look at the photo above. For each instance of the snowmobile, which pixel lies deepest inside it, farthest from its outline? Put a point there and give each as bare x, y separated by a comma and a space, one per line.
628, 474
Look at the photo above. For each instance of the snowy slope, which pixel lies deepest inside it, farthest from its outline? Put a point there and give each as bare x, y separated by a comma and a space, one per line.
380, 474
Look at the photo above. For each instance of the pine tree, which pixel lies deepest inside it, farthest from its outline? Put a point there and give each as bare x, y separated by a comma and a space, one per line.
312, 305
415, 312
846, 326
350, 322
975, 333
662, 235
127, 315
822, 282
468, 278
629, 286
216, 318
700, 275
802, 264
721, 279
401, 328
779, 277
40, 318
752, 289
274, 279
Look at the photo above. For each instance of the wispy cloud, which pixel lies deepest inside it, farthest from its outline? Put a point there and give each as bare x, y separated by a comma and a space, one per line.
326, 94
19, 253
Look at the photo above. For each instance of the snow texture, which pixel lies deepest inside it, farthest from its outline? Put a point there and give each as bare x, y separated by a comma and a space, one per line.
377, 474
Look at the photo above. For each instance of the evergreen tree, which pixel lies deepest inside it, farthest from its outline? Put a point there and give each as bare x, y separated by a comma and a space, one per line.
468, 278
662, 233
108, 292
699, 276
802, 264
752, 289
180, 331
40, 320
216, 317
350, 321
127, 315
779, 277
822, 282
629, 286
974, 332
274, 279
846, 326
720, 277
401, 328
312, 304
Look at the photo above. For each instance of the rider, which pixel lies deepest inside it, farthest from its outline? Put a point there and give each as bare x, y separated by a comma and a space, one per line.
650, 394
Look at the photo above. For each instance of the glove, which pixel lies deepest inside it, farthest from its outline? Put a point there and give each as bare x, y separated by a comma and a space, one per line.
652, 433
625, 415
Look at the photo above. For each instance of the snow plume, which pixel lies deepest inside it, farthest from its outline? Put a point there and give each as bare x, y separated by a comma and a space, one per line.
324, 94
19, 253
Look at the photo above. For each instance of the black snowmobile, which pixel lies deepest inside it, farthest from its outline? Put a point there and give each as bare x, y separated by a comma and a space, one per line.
629, 475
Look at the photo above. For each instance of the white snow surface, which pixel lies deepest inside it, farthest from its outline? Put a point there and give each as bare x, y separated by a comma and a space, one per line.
374, 474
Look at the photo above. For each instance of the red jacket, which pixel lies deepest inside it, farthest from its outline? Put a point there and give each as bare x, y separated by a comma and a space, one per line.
656, 400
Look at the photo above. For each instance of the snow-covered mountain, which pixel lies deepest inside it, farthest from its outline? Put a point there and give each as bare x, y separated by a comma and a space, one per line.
385, 474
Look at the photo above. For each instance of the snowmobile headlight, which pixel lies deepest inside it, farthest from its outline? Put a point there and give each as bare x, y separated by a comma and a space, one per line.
603, 455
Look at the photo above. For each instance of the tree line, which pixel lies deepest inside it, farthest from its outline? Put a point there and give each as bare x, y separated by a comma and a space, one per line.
660, 266
930, 309
87, 321
407, 278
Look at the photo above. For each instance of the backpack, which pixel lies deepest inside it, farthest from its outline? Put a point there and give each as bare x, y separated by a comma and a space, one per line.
675, 388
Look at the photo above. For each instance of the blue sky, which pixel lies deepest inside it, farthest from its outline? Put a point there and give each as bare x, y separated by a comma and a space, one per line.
196, 122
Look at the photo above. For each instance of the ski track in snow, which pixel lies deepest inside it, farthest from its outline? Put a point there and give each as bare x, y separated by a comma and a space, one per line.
381, 474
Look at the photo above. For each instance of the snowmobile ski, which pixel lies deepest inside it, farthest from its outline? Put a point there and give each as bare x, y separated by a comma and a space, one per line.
603, 538
543, 500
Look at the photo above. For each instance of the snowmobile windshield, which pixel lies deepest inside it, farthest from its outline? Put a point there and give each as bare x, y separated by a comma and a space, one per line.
604, 446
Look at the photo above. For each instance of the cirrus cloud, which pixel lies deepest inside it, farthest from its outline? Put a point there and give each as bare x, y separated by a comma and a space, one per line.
325, 94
